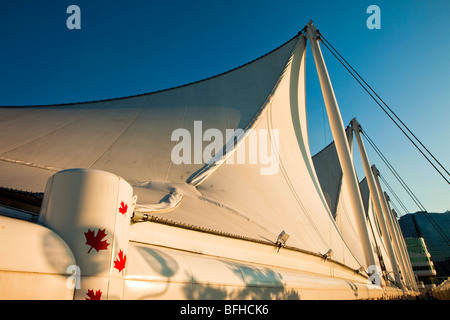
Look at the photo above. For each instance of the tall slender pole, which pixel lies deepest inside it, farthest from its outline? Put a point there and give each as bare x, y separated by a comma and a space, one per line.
401, 256
407, 259
402, 246
395, 239
342, 147
386, 209
376, 200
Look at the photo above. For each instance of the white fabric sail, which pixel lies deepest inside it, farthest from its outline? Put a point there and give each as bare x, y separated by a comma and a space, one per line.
329, 172
133, 138
291, 199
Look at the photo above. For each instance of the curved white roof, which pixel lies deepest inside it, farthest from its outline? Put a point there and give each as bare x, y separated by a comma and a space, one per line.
132, 138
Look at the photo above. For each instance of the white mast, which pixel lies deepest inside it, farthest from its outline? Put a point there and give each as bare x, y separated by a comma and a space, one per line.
408, 273
342, 147
386, 210
401, 252
407, 259
376, 200
395, 238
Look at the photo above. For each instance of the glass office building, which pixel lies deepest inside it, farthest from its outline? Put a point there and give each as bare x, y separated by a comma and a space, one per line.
421, 262
434, 228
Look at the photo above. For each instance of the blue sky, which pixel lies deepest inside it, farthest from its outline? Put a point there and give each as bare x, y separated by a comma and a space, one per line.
133, 47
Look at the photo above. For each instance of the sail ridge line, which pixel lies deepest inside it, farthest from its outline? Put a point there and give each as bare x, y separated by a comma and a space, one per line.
229, 148
157, 91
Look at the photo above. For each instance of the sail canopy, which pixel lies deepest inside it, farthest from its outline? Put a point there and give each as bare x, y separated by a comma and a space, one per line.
257, 187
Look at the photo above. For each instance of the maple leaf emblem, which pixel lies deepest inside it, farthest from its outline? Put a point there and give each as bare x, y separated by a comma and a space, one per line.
93, 296
120, 262
123, 208
95, 241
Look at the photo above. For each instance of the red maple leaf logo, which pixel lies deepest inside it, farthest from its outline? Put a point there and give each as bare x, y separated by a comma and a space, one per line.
95, 241
123, 208
120, 262
93, 296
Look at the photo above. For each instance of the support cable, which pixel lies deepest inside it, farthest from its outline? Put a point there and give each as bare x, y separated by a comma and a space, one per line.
395, 195
336, 54
434, 224
394, 172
